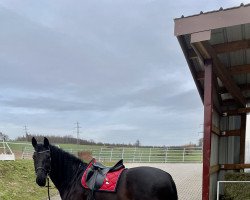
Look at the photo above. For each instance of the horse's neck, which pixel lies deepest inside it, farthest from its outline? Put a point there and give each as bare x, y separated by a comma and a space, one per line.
64, 168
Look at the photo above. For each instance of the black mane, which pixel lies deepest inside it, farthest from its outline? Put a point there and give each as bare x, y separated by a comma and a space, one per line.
70, 167
65, 154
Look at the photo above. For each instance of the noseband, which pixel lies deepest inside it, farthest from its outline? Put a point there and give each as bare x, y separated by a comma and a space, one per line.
42, 168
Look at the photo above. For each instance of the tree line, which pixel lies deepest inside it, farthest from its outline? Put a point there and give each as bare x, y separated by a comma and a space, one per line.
68, 139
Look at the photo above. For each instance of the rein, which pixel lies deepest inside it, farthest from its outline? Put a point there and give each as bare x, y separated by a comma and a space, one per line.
48, 188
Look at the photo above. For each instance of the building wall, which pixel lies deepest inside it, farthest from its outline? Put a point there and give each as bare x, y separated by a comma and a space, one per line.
214, 160
229, 147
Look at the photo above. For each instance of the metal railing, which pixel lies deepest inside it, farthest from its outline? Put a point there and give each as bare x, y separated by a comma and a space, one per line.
145, 155
134, 154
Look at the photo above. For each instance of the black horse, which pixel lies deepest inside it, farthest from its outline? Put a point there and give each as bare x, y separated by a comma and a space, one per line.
65, 170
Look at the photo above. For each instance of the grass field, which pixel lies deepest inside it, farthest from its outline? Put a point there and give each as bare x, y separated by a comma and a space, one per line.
17, 181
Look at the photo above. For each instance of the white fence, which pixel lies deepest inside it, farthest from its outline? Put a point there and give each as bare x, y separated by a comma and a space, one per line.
135, 154
6, 152
145, 155
27, 152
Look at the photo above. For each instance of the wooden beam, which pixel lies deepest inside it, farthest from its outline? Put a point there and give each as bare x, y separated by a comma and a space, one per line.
216, 130
236, 112
239, 69
192, 54
231, 102
223, 74
230, 133
234, 70
182, 43
234, 166
200, 75
231, 46
214, 169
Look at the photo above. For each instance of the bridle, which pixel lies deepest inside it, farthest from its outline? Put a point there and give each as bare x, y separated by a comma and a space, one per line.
47, 171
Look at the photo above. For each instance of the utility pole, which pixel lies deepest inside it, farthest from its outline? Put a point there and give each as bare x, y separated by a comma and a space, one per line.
26, 132
77, 131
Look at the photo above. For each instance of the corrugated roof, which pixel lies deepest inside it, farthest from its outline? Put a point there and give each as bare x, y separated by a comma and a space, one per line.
214, 11
232, 59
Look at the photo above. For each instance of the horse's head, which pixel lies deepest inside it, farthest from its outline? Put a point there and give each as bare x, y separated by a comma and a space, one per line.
42, 161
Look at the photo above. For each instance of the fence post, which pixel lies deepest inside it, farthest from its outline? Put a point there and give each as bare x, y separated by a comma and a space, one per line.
134, 157
99, 159
23, 152
149, 159
122, 152
4, 148
183, 156
166, 155
111, 154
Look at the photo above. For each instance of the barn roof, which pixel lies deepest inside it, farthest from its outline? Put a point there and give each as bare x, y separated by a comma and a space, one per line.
222, 36
216, 46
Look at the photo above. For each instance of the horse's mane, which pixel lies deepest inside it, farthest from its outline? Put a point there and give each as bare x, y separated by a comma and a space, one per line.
65, 165
65, 155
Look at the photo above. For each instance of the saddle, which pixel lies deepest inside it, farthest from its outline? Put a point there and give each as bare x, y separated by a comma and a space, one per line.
97, 173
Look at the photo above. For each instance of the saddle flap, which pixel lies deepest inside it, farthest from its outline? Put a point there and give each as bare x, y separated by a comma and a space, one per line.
99, 178
95, 181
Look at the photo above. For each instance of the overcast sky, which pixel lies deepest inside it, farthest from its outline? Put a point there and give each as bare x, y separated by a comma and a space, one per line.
114, 66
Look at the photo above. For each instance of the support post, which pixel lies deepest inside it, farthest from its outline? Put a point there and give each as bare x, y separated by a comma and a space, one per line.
208, 106
242, 137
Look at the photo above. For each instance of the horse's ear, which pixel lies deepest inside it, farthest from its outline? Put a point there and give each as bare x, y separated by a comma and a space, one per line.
34, 142
46, 142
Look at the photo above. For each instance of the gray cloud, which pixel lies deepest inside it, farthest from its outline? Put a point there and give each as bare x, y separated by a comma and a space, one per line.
114, 66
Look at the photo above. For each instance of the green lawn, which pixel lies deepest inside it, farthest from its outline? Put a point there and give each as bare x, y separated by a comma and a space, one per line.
17, 181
